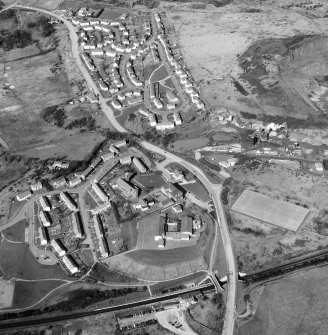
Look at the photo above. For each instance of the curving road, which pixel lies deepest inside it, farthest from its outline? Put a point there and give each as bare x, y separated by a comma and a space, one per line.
213, 189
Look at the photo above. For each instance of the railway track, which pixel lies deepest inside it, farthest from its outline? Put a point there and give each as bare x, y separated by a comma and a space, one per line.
318, 258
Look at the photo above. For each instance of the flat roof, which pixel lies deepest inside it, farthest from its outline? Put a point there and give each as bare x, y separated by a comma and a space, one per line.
276, 212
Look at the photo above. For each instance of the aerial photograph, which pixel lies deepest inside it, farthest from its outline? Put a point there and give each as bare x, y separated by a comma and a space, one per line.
163, 167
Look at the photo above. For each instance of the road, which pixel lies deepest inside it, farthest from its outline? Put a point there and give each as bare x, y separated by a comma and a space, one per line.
213, 189
53, 319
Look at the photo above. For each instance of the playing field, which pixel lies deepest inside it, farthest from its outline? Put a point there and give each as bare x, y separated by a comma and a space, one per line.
275, 212
6, 293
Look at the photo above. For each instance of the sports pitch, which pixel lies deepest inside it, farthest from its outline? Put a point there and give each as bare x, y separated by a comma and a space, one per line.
276, 212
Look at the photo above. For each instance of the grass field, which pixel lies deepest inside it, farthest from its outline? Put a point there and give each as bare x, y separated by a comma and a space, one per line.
103, 274
198, 189
16, 232
130, 233
17, 261
194, 278
6, 293
276, 212
190, 144
296, 304
159, 74
150, 180
28, 293
165, 257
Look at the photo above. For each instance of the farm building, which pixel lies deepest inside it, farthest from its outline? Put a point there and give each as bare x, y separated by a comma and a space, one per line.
58, 247
68, 201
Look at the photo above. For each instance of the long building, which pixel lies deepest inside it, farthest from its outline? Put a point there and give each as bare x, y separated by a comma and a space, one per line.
127, 190
139, 165
44, 203
70, 265
100, 193
171, 96
58, 248
102, 243
43, 236
68, 201
77, 225
45, 219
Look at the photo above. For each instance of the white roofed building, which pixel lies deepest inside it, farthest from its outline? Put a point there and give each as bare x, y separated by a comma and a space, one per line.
45, 219
77, 225
70, 265
58, 248
139, 165
68, 201
100, 193
44, 203
43, 236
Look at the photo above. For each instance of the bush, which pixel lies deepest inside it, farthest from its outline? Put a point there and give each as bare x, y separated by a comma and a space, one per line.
55, 115
16, 39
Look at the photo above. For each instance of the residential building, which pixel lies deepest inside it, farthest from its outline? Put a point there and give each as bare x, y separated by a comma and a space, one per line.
116, 104
24, 195
70, 264
60, 182
68, 201
99, 191
44, 203
96, 162
36, 186
76, 180
171, 191
126, 160
108, 156
101, 208
102, 246
177, 118
170, 106
127, 190
165, 125
318, 166
139, 165
43, 236
45, 218
77, 225
58, 247
152, 120
86, 173
158, 104
171, 97
177, 208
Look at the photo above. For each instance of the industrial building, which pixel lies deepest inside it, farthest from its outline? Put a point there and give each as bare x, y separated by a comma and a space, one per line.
45, 218
68, 201
77, 225
58, 247
100, 193
127, 190
45, 204
70, 265
139, 165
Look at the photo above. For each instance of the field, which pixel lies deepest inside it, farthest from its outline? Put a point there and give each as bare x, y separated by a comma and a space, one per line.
198, 189
17, 261
130, 233
6, 293
190, 144
296, 304
172, 285
16, 232
276, 212
150, 180
158, 265
42, 77
28, 293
